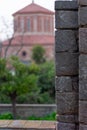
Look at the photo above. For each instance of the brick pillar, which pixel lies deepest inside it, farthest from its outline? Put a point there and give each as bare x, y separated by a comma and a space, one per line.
66, 58
83, 64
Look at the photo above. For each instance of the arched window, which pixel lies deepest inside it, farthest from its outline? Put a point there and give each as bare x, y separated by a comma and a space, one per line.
24, 53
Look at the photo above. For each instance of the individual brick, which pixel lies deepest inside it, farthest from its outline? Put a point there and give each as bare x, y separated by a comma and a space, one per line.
66, 64
66, 84
83, 112
82, 2
65, 126
66, 40
83, 40
63, 84
83, 127
66, 19
67, 118
83, 89
66, 5
67, 103
83, 66
83, 16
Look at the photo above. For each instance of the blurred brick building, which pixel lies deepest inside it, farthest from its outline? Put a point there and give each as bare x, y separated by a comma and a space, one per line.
33, 25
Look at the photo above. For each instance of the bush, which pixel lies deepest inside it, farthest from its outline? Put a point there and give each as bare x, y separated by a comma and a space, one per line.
51, 116
7, 115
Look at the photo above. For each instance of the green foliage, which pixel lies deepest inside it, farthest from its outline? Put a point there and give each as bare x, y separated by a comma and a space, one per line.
21, 81
4, 98
38, 53
18, 83
45, 98
32, 83
46, 86
33, 69
46, 80
51, 116
5, 116
9, 116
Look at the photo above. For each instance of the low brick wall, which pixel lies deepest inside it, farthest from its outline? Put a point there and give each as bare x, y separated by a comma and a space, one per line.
25, 110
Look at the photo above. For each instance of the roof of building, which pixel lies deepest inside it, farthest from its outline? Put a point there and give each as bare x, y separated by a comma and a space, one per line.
33, 8
31, 40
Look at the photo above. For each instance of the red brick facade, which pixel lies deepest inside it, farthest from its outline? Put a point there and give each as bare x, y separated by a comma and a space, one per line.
32, 25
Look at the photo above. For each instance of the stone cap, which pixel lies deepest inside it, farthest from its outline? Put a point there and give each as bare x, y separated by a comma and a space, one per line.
66, 5
24, 124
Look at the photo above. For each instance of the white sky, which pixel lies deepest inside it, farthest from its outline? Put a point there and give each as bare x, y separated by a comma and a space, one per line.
8, 7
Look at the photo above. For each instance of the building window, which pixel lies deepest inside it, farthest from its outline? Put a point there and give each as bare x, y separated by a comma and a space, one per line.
24, 53
15, 25
35, 23
46, 25
22, 25
28, 25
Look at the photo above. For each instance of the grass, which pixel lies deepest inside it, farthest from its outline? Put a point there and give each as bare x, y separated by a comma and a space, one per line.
51, 116
9, 116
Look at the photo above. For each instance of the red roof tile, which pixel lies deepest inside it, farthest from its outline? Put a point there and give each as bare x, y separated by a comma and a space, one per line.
31, 40
33, 8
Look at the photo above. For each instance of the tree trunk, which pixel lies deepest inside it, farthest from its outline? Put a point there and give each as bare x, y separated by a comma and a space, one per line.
13, 100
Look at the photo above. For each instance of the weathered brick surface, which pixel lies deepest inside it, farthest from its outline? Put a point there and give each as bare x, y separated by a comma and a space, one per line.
63, 84
67, 118
65, 126
66, 5
66, 19
82, 16
82, 2
66, 57
67, 103
66, 64
67, 84
75, 84
83, 89
83, 127
66, 40
83, 112
83, 66
83, 40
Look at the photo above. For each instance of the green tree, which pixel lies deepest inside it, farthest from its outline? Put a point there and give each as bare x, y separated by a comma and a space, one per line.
46, 81
38, 54
17, 83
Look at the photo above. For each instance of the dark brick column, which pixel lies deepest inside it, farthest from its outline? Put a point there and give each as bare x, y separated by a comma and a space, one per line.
83, 64
66, 58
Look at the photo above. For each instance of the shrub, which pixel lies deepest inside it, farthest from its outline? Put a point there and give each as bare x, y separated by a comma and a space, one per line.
51, 116
6, 116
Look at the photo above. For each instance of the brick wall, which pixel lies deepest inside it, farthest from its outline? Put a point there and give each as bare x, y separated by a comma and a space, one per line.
66, 54
82, 64
71, 64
